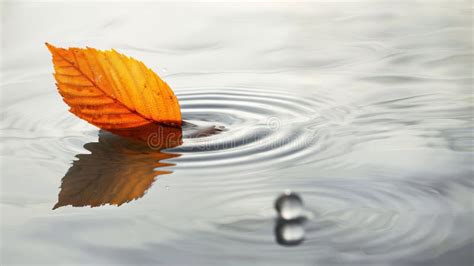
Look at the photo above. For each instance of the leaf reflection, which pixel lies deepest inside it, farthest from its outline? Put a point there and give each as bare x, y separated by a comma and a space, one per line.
118, 169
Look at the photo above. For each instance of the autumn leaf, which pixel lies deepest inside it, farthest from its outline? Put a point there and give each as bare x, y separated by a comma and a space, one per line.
117, 170
113, 91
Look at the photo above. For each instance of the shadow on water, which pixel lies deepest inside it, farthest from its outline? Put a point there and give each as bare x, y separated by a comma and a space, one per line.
118, 169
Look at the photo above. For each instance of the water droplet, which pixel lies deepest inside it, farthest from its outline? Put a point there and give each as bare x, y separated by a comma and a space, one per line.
289, 206
290, 232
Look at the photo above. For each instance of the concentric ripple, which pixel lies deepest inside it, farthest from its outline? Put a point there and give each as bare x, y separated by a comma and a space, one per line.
350, 222
258, 129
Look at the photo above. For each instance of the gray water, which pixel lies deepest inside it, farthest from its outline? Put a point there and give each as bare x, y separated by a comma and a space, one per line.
363, 108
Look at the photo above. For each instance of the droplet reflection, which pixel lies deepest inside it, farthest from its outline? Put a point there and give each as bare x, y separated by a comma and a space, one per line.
290, 232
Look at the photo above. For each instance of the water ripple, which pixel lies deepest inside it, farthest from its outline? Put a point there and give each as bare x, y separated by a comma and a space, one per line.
263, 129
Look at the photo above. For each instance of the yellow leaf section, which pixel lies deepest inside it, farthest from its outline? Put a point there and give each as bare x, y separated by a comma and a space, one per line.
111, 90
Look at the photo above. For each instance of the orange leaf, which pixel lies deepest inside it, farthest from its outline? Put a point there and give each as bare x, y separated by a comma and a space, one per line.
113, 91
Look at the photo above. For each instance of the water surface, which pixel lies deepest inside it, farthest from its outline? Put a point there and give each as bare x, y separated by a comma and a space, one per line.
364, 109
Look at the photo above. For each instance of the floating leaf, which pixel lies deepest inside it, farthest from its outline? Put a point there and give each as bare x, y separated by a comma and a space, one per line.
117, 170
113, 91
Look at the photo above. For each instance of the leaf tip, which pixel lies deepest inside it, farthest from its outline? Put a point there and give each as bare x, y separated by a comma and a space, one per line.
51, 47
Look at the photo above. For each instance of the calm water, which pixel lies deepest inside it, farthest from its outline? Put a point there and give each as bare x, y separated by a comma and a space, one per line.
365, 109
